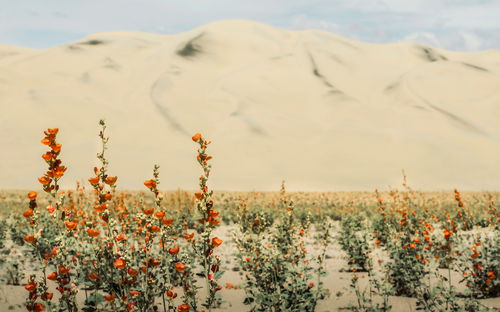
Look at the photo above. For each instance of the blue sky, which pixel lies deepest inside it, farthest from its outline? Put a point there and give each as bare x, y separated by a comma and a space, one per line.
463, 25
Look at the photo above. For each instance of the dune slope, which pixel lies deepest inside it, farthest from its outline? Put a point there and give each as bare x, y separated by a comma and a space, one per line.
321, 111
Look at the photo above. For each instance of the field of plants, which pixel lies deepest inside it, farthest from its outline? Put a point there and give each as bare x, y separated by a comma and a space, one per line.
96, 248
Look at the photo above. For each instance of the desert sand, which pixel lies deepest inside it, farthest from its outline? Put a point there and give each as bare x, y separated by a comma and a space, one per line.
318, 110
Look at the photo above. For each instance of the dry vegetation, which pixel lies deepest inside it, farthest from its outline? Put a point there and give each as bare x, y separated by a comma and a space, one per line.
98, 249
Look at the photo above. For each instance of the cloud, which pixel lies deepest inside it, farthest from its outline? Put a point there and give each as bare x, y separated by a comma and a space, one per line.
450, 24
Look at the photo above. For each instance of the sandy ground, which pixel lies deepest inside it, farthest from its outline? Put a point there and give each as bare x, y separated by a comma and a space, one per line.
337, 281
321, 111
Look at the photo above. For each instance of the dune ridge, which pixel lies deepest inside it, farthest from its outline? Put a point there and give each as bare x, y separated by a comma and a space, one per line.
318, 110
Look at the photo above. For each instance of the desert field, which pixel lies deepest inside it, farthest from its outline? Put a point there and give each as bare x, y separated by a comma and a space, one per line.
97, 248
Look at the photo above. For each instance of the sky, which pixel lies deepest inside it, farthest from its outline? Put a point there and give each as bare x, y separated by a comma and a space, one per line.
461, 25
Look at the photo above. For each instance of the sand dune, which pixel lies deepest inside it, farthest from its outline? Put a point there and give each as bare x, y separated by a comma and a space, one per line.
321, 111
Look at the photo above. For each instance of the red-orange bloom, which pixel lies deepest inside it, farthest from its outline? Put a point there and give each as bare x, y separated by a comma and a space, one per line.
101, 207
29, 238
447, 234
183, 308
132, 272
64, 270
47, 156
31, 287
110, 298
53, 131
155, 229
196, 137
110, 180
70, 225
150, 184
46, 141
173, 251
148, 211
28, 213
180, 267
59, 172
56, 147
47, 296
198, 195
52, 276
93, 276
214, 222
44, 180
167, 221
93, 232
94, 180
32, 195
119, 264
213, 214
216, 241
120, 237
160, 214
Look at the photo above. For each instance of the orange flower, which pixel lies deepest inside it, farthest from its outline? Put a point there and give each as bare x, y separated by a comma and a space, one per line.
32, 195
52, 276
120, 237
28, 213
47, 296
183, 308
160, 214
93, 276
173, 251
132, 272
189, 236
107, 196
101, 207
216, 241
213, 213
59, 172
29, 238
167, 221
56, 148
46, 141
64, 270
196, 137
180, 267
447, 234
134, 292
31, 287
93, 232
110, 298
53, 131
150, 184
198, 195
119, 264
44, 180
149, 211
110, 180
94, 180
70, 225
155, 229
214, 222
